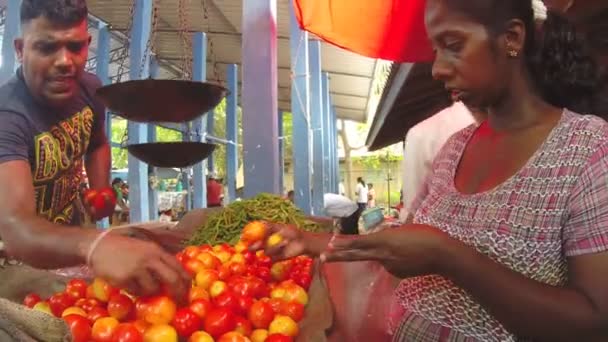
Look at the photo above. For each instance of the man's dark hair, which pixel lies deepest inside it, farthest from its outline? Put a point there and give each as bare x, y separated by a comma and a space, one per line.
63, 12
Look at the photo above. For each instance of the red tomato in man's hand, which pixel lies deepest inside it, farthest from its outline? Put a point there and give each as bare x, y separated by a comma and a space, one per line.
219, 321
80, 327
31, 299
186, 322
261, 314
59, 302
127, 332
77, 288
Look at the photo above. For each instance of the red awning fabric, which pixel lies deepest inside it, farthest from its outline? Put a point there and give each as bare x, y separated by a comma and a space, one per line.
387, 29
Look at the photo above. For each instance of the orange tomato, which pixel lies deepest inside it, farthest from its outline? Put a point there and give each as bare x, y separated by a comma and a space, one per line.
160, 333
197, 292
200, 336
74, 310
160, 310
259, 335
43, 307
241, 247
191, 252
193, 266
223, 256
102, 290
103, 329
260, 314
254, 231
205, 278
209, 260
277, 304
274, 240
217, 288
233, 337
283, 325
141, 326
295, 293
201, 307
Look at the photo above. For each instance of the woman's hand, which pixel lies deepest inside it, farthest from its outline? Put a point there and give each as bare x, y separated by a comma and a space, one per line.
293, 242
409, 251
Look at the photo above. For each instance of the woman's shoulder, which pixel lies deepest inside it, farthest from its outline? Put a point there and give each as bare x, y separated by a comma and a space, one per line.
584, 130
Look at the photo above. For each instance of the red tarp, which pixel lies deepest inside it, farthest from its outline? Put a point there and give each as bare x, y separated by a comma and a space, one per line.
387, 29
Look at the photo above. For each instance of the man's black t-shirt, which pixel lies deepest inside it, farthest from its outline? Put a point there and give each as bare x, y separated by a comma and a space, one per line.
53, 141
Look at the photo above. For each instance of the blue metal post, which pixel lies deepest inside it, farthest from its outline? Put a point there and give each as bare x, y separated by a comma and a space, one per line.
336, 155
139, 62
281, 154
325, 125
330, 147
153, 193
316, 125
12, 28
199, 74
259, 100
300, 109
102, 71
232, 161
211, 131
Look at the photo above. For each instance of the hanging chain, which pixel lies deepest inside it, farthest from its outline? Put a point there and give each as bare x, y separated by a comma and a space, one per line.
212, 57
150, 44
125, 52
185, 36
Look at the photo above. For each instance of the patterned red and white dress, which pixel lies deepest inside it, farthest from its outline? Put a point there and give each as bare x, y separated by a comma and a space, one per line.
555, 207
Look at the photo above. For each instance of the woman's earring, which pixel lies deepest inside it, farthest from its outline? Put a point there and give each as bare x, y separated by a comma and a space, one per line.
513, 53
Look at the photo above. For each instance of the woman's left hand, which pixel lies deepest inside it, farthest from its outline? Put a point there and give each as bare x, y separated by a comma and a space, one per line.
412, 250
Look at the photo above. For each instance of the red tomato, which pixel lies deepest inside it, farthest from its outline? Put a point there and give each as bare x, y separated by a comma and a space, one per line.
127, 332
259, 287
264, 261
191, 252
205, 248
186, 322
160, 310
294, 310
249, 257
181, 257
263, 273
141, 306
31, 299
201, 307
59, 302
243, 326
224, 272
276, 304
141, 326
96, 313
209, 260
79, 326
243, 287
219, 321
303, 279
280, 270
244, 303
103, 329
279, 338
261, 314
227, 300
87, 304
197, 292
120, 307
77, 288
237, 268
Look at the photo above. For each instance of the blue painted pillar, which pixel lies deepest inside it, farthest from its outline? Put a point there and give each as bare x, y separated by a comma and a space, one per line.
259, 100
300, 109
211, 131
139, 61
336, 155
281, 154
153, 193
12, 28
232, 130
199, 74
331, 141
325, 125
102, 71
316, 125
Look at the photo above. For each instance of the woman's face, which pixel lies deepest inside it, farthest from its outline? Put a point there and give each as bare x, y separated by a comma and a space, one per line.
473, 65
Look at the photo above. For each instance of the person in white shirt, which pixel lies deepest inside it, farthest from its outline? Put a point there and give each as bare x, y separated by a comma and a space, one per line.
361, 192
423, 142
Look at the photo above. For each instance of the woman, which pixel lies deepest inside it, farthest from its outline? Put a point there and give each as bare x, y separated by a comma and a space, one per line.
510, 237
361, 191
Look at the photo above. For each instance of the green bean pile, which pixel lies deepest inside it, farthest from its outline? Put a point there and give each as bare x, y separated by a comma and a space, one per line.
226, 225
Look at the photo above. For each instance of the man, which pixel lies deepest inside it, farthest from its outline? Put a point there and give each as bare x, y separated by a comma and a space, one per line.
215, 191
50, 125
423, 142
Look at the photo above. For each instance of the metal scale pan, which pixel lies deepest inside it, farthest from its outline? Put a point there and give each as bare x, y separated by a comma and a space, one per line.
172, 154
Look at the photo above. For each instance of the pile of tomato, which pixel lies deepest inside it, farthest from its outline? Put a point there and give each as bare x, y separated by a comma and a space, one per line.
236, 296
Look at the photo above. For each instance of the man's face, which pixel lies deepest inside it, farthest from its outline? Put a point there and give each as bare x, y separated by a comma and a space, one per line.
53, 58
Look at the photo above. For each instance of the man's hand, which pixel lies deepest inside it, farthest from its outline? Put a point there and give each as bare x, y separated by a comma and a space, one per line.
141, 267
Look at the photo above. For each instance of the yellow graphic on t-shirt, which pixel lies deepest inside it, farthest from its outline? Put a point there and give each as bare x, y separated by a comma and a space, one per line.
58, 165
